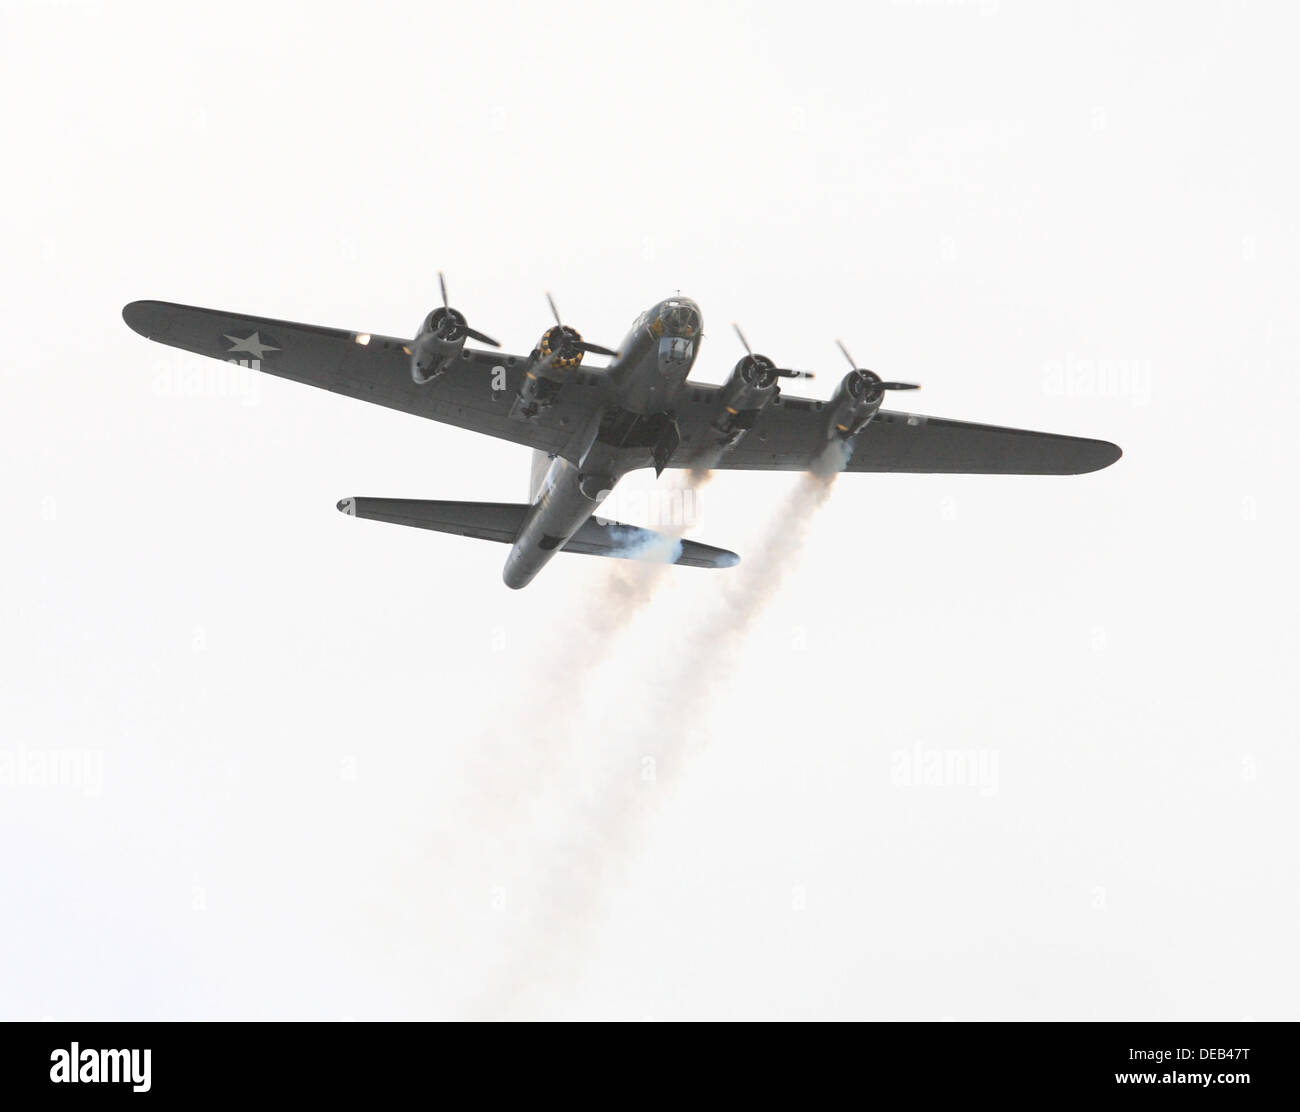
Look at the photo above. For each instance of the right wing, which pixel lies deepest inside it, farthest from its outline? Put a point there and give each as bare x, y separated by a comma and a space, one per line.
369, 367
790, 435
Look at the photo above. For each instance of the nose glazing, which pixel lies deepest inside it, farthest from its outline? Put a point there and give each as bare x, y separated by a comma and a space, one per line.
680, 317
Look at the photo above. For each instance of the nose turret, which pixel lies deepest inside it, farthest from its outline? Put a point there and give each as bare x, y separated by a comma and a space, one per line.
679, 317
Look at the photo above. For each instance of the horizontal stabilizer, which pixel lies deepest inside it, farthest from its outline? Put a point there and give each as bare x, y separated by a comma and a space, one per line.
501, 521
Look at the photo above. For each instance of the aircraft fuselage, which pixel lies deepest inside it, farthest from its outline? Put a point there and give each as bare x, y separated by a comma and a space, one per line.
640, 386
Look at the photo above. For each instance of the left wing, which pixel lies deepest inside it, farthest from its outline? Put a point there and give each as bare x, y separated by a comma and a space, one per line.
370, 367
790, 435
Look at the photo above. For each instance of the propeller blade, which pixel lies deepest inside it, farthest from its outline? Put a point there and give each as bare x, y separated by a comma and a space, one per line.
443, 283
473, 334
785, 372
554, 311
596, 349
878, 385
739, 333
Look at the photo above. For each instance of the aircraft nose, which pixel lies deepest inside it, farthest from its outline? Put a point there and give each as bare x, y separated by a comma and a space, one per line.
680, 316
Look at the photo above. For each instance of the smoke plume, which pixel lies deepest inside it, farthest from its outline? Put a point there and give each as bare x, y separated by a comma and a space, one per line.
603, 835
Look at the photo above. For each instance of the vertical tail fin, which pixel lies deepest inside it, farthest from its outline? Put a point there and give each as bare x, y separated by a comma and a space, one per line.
537, 472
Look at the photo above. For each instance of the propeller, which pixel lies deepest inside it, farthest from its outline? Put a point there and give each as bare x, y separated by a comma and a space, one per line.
765, 362
570, 341
449, 324
873, 379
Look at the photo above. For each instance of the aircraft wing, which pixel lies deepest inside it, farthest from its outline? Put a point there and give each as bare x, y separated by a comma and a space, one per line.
790, 436
360, 365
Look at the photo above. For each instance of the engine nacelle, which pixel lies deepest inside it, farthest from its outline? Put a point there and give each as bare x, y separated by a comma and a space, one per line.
561, 347
442, 335
558, 353
856, 400
751, 387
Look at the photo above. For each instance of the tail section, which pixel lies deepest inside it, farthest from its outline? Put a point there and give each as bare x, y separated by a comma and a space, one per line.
537, 472
501, 521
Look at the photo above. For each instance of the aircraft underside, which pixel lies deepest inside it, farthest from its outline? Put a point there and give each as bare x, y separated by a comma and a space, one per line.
588, 428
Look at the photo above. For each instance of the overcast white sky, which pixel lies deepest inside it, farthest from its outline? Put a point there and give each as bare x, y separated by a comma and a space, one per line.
998, 747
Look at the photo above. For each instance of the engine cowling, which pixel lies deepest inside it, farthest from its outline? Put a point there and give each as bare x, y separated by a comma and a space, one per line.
561, 347
751, 387
558, 353
855, 402
441, 336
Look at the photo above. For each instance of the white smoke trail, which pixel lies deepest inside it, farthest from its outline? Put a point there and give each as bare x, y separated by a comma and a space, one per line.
625, 586
526, 765
621, 587
604, 838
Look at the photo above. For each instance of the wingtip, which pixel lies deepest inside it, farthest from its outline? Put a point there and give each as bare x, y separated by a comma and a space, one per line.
136, 314
1089, 456
1107, 454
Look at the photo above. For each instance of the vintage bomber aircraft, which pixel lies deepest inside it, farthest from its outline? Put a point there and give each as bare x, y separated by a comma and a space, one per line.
588, 428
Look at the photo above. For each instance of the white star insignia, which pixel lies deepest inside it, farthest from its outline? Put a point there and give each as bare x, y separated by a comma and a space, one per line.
249, 345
